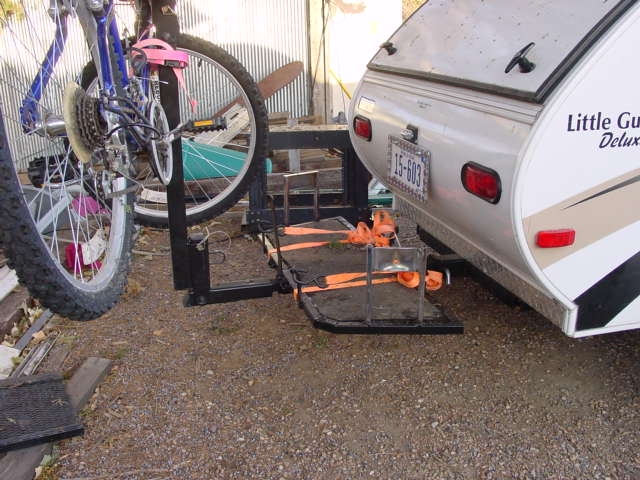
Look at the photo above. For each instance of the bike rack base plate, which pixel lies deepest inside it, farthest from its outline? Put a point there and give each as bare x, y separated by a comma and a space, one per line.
343, 310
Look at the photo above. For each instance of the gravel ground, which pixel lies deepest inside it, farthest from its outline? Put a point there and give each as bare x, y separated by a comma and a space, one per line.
251, 390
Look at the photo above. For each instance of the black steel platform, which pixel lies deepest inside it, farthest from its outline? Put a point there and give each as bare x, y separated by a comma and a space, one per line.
343, 310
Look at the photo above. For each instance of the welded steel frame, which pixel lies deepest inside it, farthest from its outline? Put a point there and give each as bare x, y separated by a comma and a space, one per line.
352, 202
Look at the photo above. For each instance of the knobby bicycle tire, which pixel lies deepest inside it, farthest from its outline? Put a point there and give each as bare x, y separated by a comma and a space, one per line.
50, 224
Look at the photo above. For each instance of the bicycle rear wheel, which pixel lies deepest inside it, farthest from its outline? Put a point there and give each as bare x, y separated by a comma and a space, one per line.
66, 224
218, 166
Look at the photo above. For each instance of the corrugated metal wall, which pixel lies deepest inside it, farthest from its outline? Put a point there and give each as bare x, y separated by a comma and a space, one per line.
263, 34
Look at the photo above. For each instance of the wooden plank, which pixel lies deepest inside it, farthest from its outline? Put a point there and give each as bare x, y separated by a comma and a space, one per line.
270, 84
280, 78
34, 358
294, 155
21, 464
36, 327
279, 118
86, 379
236, 114
327, 178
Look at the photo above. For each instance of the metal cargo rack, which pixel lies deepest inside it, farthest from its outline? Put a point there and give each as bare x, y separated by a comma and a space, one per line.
363, 307
370, 300
311, 203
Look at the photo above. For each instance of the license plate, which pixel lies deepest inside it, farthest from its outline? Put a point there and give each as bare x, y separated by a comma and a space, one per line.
408, 167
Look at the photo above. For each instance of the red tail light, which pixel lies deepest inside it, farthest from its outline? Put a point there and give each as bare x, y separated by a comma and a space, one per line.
482, 182
362, 127
556, 238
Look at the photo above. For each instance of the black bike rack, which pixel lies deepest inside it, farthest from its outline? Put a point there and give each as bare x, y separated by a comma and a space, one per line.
193, 274
273, 210
202, 293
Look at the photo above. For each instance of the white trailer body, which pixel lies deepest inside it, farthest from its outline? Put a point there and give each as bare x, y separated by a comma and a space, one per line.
533, 176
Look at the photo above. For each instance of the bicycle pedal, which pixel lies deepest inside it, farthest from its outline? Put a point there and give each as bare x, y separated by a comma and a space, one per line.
206, 125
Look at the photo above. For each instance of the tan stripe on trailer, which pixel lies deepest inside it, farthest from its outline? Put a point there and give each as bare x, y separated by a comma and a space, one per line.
593, 214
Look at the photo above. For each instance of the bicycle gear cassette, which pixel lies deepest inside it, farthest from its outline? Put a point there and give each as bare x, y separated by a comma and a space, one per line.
84, 124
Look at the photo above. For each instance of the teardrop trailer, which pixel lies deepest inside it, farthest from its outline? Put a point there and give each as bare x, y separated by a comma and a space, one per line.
510, 133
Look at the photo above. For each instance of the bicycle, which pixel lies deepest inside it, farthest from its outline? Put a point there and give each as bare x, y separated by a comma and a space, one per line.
75, 155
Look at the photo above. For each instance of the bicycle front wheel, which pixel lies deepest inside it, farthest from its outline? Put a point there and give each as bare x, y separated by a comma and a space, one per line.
66, 225
218, 166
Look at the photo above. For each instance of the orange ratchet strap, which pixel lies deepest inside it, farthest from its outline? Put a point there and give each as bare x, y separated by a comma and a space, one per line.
310, 231
343, 284
383, 231
433, 281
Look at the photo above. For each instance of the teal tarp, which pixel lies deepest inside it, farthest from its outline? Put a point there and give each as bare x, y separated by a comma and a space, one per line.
203, 161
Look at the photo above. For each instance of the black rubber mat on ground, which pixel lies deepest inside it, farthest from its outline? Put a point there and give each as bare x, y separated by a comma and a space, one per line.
35, 409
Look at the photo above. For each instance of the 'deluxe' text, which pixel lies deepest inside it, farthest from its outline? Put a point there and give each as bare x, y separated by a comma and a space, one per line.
620, 131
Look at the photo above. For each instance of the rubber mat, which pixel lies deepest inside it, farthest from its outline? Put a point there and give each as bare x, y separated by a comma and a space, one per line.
35, 409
